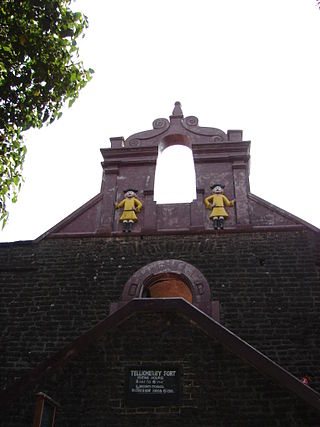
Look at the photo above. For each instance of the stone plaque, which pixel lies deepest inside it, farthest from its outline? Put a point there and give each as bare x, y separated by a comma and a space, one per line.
152, 385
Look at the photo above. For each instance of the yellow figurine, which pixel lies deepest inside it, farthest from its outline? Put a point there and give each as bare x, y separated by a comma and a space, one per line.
216, 202
130, 205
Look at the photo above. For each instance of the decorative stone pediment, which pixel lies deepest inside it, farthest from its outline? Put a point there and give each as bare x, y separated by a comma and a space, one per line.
219, 157
179, 125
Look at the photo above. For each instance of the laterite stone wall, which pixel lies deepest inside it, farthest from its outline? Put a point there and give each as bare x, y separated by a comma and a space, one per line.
268, 287
217, 388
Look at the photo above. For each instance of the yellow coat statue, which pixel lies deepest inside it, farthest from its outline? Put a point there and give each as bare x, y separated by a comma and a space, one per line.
130, 205
217, 201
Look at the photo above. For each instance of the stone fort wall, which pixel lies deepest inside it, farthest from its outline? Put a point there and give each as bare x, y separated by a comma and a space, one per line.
268, 287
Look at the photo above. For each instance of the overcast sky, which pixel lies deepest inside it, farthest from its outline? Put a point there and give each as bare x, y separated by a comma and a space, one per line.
246, 64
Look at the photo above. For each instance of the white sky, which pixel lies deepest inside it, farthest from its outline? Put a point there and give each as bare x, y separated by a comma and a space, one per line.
251, 65
175, 178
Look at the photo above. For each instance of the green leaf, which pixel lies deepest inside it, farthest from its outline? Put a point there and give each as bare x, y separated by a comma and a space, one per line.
71, 102
37, 44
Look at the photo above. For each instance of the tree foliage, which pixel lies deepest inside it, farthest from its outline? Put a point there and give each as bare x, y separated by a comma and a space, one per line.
39, 71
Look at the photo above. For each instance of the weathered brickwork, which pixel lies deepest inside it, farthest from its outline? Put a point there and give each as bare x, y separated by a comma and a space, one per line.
267, 284
217, 387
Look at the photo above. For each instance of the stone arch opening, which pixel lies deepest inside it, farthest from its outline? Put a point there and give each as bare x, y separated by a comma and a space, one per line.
167, 285
170, 278
175, 178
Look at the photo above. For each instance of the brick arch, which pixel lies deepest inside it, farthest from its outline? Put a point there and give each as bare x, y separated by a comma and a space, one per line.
146, 276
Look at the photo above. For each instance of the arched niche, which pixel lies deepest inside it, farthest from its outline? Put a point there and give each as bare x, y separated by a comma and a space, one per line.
168, 279
167, 285
175, 176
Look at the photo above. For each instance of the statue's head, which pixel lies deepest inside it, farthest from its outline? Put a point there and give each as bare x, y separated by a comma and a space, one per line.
130, 193
217, 188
